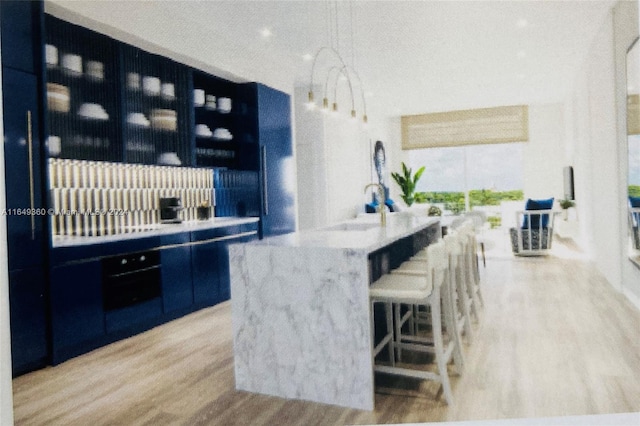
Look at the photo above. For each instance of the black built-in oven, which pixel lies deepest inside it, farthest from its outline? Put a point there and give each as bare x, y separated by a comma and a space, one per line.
130, 279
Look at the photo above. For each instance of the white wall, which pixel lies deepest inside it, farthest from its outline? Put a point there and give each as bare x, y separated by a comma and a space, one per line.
596, 142
333, 159
6, 390
543, 156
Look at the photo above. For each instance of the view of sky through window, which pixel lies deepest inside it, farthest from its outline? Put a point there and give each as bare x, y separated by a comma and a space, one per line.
497, 167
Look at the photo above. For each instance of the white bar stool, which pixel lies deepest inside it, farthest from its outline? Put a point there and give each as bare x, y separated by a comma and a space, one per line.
416, 290
417, 267
458, 277
467, 234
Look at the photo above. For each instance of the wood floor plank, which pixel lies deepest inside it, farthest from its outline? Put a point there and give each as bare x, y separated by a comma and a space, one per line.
554, 339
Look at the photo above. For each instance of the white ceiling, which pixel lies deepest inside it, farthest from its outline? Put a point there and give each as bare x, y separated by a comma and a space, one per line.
412, 56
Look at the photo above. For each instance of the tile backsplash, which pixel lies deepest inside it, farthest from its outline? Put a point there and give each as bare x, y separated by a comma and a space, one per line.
92, 198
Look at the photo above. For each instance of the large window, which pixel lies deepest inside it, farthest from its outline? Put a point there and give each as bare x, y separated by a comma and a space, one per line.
634, 165
465, 177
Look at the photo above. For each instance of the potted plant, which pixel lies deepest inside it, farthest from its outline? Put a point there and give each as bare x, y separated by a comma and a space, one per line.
565, 205
407, 183
434, 211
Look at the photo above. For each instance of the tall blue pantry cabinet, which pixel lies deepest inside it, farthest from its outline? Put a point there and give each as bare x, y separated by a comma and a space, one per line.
272, 155
21, 28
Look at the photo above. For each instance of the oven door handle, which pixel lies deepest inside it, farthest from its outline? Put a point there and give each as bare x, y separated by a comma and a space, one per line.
135, 271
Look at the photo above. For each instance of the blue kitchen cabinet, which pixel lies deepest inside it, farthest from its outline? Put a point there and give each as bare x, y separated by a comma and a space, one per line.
224, 288
25, 230
177, 284
21, 29
77, 315
273, 157
204, 266
28, 320
26, 236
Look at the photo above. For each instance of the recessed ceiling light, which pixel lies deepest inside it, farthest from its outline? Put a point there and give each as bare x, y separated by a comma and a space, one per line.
266, 32
307, 56
522, 23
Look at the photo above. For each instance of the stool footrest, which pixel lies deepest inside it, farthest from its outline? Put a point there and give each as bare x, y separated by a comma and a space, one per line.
418, 374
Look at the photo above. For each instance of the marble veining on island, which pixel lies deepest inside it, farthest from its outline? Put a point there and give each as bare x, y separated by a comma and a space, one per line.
300, 312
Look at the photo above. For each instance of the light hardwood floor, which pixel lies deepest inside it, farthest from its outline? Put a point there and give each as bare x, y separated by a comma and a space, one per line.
554, 339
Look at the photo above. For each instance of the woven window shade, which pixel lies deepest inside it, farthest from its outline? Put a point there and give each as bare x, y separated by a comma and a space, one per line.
633, 115
468, 127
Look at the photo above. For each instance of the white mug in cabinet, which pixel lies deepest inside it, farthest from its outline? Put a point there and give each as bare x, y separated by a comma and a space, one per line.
51, 55
95, 70
168, 91
224, 105
72, 64
198, 97
210, 102
54, 145
133, 81
151, 85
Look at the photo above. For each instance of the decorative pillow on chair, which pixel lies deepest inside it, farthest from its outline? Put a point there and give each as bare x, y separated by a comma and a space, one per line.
393, 207
371, 207
535, 218
635, 202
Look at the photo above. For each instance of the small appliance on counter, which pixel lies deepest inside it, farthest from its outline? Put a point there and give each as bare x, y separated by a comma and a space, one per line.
204, 212
170, 208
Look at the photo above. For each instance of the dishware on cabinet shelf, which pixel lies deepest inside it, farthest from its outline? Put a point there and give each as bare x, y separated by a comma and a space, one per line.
92, 111
151, 86
168, 91
222, 134
51, 55
198, 97
169, 159
72, 64
138, 119
210, 103
95, 70
54, 145
133, 81
58, 98
203, 131
164, 119
224, 105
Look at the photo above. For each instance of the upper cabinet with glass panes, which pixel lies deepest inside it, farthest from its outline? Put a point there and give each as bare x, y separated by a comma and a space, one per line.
82, 93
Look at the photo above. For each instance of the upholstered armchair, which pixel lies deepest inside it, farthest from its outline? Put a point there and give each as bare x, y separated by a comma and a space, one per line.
535, 236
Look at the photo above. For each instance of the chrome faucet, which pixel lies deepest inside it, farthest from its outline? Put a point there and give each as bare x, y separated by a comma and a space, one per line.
381, 205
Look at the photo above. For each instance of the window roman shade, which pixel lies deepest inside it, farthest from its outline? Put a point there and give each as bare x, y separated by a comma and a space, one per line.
468, 127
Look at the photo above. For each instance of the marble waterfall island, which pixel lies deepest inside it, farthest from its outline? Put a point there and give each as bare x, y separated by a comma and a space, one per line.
300, 307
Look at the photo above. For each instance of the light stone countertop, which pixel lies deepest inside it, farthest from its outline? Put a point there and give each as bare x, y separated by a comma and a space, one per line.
363, 233
301, 309
152, 231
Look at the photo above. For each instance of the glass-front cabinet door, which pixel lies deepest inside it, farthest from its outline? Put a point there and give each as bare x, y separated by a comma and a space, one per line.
156, 124
81, 93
